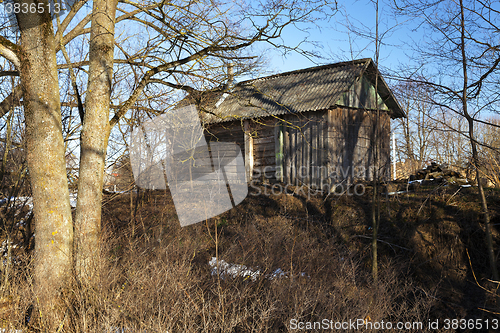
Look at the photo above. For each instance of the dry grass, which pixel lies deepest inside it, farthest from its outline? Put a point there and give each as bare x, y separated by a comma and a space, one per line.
156, 277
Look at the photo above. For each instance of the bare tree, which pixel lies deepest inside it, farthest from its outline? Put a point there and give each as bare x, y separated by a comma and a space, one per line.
94, 139
188, 42
461, 44
35, 58
489, 152
417, 128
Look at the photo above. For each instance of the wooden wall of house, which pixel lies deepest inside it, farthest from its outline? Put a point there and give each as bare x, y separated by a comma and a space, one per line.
385, 157
305, 148
263, 136
230, 132
351, 152
264, 152
262, 133
225, 132
317, 149
328, 147
351, 137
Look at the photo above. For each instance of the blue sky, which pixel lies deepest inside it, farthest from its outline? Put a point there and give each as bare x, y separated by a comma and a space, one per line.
338, 43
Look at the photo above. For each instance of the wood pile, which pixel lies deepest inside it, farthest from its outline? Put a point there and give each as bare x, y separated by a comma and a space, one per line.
438, 173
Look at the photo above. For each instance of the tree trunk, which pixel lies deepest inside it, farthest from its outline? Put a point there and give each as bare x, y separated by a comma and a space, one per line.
47, 166
475, 158
376, 161
94, 140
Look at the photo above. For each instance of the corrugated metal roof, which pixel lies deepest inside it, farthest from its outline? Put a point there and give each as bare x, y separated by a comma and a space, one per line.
311, 89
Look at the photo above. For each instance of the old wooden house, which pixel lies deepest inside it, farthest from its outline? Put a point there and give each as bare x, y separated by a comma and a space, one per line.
314, 126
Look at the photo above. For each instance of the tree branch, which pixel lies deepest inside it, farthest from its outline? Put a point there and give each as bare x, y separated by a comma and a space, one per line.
8, 51
9, 73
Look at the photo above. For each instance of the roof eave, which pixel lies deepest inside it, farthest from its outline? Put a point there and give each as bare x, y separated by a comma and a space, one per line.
385, 92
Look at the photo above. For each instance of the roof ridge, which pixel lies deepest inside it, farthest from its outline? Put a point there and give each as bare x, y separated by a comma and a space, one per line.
308, 89
310, 69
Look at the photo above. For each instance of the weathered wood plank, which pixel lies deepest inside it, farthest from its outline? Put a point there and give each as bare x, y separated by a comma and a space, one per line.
314, 151
278, 149
286, 151
249, 150
293, 154
263, 140
270, 146
264, 153
263, 161
307, 152
321, 149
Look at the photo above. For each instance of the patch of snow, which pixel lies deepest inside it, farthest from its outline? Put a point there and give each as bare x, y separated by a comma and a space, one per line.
235, 270
5, 251
451, 182
278, 273
118, 192
28, 201
18, 201
398, 192
232, 270
3, 247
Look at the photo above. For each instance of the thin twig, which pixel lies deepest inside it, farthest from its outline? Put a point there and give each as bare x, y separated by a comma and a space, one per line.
428, 197
489, 311
379, 240
453, 194
474, 275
